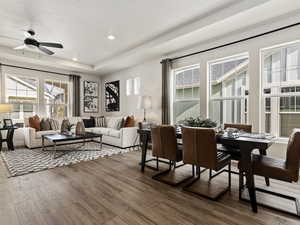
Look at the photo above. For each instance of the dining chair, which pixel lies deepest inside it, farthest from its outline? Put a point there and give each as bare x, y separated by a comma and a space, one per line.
164, 146
200, 149
284, 170
143, 125
234, 150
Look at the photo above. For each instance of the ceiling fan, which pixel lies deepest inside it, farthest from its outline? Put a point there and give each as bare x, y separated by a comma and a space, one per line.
32, 43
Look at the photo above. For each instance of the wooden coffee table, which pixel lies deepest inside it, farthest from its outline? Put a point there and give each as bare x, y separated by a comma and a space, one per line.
64, 139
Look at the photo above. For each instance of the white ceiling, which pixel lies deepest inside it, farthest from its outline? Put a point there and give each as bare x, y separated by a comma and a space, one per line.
143, 28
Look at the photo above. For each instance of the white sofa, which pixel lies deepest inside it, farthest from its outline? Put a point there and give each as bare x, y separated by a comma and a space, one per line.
124, 138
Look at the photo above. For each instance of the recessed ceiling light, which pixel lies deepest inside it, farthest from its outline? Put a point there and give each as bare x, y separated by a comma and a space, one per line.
75, 59
111, 37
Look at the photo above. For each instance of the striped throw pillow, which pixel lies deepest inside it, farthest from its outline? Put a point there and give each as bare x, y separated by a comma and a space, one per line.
100, 121
54, 124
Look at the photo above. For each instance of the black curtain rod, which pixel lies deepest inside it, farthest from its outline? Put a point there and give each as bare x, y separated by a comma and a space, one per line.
38, 70
238, 41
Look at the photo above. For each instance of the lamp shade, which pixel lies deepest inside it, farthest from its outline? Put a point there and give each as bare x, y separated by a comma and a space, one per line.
5, 108
145, 102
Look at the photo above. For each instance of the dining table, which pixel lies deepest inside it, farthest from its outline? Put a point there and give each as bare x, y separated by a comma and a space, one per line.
246, 143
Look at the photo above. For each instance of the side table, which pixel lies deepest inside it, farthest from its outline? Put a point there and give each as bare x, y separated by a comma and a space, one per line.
9, 137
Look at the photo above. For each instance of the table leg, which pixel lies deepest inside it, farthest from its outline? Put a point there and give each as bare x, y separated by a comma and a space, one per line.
0, 141
144, 140
43, 143
246, 166
100, 142
54, 149
10, 143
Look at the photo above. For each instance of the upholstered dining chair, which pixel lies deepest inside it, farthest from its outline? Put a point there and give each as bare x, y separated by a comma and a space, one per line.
200, 149
164, 146
235, 151
284, 170
143, 125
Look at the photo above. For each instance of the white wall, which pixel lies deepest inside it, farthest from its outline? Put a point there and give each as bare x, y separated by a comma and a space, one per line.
150, 75
42, 76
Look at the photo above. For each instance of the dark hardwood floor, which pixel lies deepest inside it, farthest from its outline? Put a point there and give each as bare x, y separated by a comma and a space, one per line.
113, 191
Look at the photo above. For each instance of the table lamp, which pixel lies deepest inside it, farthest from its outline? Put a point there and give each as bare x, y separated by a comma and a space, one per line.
5, 108
145, 102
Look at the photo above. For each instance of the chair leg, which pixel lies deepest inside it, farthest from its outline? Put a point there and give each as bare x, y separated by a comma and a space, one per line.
198, 169
210, 174
241, 184
267, 180
172, 166
229, 176
157, 164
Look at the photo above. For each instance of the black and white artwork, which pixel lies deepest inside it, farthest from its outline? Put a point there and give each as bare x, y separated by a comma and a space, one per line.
90, 96
112, 96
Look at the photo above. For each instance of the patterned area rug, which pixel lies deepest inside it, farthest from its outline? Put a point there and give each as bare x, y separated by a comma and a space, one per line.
23, 161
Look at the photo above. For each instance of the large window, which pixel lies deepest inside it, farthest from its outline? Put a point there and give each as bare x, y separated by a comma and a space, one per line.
186, 93
228, 82
22, 93
56, 95
281, 89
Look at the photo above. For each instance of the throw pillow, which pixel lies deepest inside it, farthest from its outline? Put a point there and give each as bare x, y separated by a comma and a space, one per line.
45, 124
88, 123
80, 130
114, 122
35, 122
129, 122
54, 124
99, 121
65, 125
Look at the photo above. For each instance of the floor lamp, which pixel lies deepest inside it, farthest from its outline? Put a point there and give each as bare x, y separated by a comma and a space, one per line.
145, 102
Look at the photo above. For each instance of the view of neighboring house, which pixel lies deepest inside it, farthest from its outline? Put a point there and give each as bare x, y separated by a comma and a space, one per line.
23, 93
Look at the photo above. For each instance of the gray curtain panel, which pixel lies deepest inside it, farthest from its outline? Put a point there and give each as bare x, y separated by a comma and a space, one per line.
75, 79
166, 89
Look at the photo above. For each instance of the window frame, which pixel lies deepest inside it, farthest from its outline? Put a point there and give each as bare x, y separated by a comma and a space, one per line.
210, 99
275, 97
173, 98
66, 105
35, 104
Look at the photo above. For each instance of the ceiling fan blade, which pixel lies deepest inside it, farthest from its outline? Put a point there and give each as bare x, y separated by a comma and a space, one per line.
51, 45
20, 47
12, 38
45, 50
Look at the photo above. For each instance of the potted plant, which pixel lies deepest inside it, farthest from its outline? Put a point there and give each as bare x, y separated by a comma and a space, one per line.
199, 122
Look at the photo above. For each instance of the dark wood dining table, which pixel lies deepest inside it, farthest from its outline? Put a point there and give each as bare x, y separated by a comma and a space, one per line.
246, 144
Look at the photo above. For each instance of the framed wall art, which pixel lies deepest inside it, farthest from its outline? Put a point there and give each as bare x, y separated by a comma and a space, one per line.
90, 96
112, 96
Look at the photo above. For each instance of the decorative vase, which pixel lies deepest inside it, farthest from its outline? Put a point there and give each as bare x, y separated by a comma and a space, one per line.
65, 126
80, 129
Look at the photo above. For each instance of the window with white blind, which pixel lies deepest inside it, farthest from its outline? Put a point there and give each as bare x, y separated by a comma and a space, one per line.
22, 93
281, 89
228, 88
186, 93
56, 96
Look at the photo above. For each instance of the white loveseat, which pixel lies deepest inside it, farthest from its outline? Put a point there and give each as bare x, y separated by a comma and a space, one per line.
124, 138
